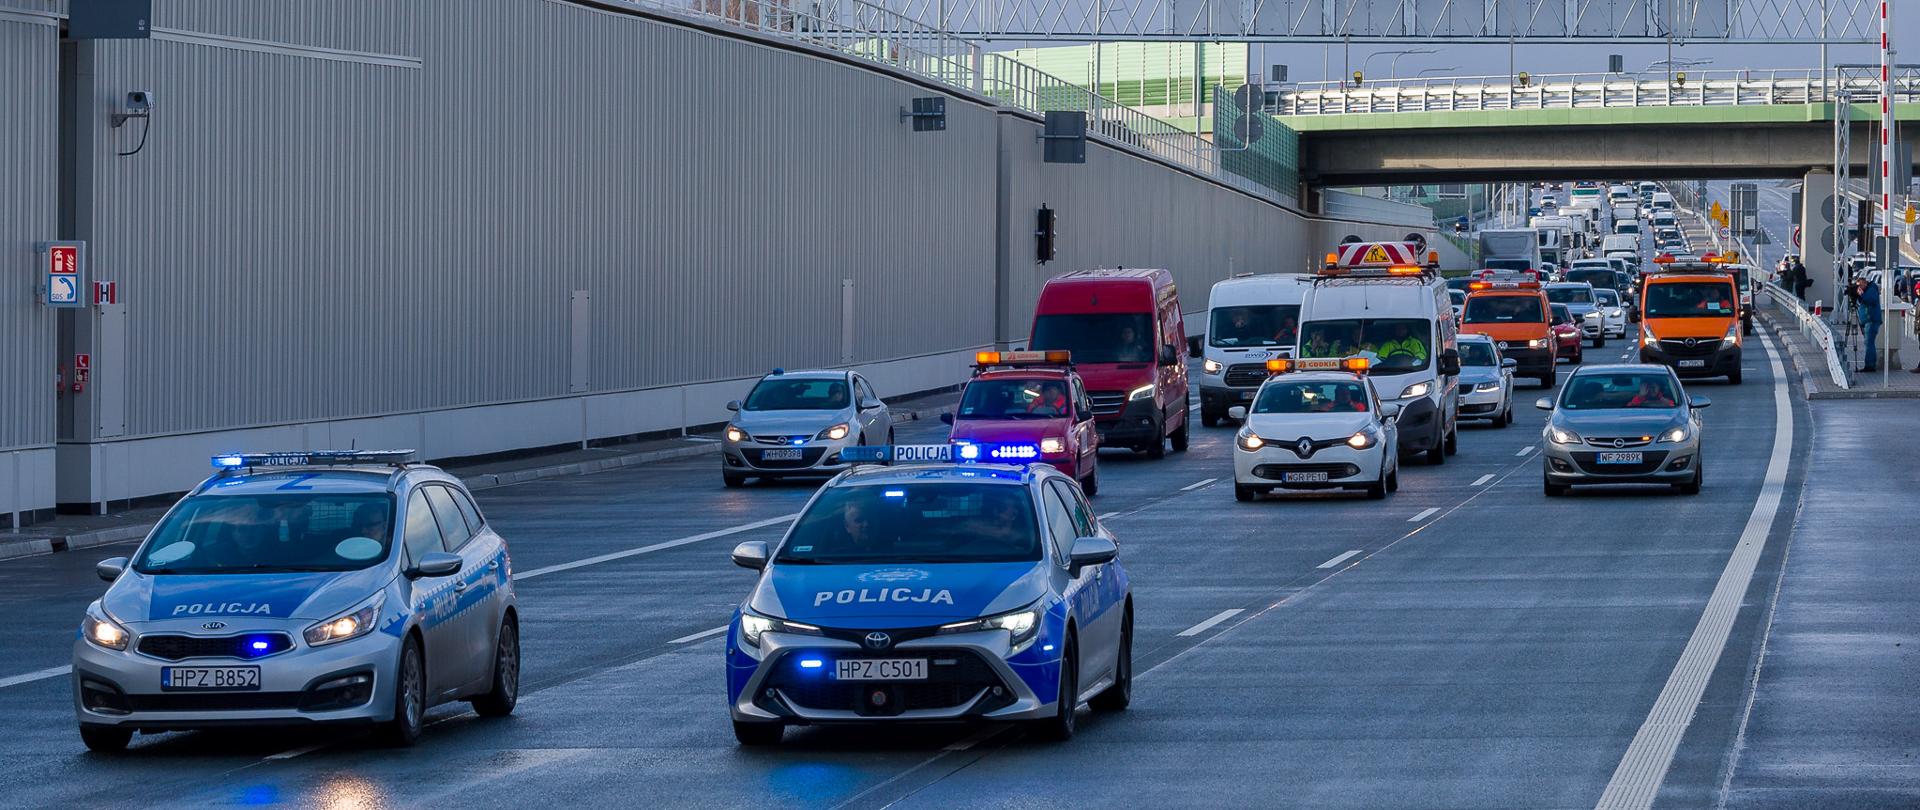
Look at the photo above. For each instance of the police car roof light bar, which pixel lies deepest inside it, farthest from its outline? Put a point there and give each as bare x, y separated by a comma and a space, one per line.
312, 458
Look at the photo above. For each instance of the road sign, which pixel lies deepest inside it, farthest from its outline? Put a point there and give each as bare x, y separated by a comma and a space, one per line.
1912, 215
1795, 237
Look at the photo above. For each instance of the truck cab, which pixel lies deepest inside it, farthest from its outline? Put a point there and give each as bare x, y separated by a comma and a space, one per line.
1513, 310
1690, 318
1129, 344
1250, 320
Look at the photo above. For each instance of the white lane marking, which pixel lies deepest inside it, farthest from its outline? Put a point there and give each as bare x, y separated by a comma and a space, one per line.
1208, 624
1483, 479
36, 675
1109, 516
302, 751
1644, 766
1198, 484
977, 738
1338, 560
1523, 451
701, 439
1194, 407
700, 635
632, 552
1424, 514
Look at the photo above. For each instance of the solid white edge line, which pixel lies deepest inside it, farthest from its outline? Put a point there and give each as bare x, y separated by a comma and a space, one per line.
1338, 560
1482, 480
1208, 624
700, 635
301, 751
632, 552
1424, 514
1198, 484
36, 675
1636, 781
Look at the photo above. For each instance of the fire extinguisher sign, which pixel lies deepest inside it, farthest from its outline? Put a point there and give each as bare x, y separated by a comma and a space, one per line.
63, 270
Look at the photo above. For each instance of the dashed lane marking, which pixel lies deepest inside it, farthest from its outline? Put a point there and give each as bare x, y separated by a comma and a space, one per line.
1482, 480
36, 675
1198, 484
1340, 559
1209, 623
714, 631
1523, 451
634, 552
1424, 514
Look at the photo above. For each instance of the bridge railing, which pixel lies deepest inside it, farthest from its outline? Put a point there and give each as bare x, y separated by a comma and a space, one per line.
865, 31
1721, 88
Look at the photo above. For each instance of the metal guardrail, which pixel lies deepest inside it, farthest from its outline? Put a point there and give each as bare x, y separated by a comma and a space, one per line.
1720, 88
865, 31
1815, 328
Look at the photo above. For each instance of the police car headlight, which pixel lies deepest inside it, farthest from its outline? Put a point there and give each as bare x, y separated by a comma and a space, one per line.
835, 433
103, 631
1418, 389
1562, 435
1021, 625
1212, 366
1677, 434
351, 624
1053, 446
1143, 392
1248, 441
753, 625
735, 434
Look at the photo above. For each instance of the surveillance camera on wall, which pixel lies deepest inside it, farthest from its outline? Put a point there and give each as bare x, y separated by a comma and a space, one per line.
139, 101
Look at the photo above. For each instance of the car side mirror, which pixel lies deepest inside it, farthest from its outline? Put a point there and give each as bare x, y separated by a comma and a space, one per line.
733, 405
1169, 356
1092, 551
946, 418
111, 568
1543, 403
1237, 412
1389, 411
435, 564
751, 554
869, 404
1699, 401
1508, 362
1450, 362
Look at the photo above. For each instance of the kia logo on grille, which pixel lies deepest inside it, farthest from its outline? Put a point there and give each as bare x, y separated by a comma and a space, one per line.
1304, 447
214, 626
1619, 442
878, 641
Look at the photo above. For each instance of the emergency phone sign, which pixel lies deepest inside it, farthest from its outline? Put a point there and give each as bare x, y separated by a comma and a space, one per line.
63, 271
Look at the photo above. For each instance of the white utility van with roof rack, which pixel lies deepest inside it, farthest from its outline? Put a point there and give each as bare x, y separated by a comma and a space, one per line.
1250, 320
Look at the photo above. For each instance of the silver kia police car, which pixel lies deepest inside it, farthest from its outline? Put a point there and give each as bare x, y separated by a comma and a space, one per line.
795, 423
295, 588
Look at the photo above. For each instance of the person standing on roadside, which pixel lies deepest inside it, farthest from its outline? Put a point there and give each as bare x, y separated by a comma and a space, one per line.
1869, 299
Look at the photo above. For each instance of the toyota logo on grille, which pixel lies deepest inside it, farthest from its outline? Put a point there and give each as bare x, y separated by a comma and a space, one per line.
1304, 447
214, 626
878, 641
1619, 442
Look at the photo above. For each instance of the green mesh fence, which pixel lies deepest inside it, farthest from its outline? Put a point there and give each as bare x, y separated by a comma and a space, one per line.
1272, 160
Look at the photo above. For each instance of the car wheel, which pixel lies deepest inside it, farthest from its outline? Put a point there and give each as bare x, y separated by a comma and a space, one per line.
1600, 342
1242, 493
505, 692
1546, 380
1438, 455
1120, 694
1091, 486
1393, 479
1693, 487
105, 739
1158, 449
758, 733
1453, 441
1180, 436
1734, 376
409, 697
1060, 727
733, 480
889, 436
1503, 418
1554, 490
1377, 490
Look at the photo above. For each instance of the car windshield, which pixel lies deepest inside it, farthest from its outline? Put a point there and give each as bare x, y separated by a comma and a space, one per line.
1627, 227
1015, 399
1636, 390
1258, 325
1334, 396
1111, 338
1561, 315
253, 534
1400, 344
1516, 265
798, 394
1458, 297
1503, 309
1476, 353
923, 522
1569, 295
1690, 299
1600, 277
1607, 297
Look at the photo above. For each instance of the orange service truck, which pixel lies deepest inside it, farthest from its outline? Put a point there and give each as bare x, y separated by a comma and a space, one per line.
1690, 317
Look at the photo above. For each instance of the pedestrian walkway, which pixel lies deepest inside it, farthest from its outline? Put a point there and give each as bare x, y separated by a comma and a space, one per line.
1810, 362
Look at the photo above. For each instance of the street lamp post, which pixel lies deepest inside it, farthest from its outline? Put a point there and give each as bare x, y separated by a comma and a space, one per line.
1396, 54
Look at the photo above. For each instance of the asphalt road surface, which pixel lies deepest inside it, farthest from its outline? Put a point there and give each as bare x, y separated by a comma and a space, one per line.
1465, 643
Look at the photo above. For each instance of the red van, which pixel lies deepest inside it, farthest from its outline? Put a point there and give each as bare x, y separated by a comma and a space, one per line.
1129, 345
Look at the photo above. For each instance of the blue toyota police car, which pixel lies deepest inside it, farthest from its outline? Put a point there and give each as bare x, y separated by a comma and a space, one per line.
933, 592
293, 588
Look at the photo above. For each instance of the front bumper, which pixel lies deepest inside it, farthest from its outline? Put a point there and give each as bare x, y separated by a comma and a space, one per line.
1216, 399
969, 676
1137, 425
1481, 404
1661, 463
816, 458
1710, 358
122, 688
1345, 467
1420, 426
1530, 362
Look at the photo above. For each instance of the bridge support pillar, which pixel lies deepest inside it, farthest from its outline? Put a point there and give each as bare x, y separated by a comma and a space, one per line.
1817, 234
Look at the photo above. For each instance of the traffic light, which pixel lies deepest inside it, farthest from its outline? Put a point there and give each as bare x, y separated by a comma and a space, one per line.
1044, 236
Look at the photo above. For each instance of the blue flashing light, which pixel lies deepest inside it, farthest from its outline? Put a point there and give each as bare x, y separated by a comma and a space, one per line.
1016, 451
970, 452
1047, 648
868, 453
894, 493
227, 462
798, 442
810, 663
259, 646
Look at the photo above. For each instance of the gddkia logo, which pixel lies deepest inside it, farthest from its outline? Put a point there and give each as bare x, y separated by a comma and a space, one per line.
894, 575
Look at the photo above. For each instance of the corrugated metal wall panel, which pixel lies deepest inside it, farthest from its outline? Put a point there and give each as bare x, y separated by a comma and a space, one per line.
30, 95
307, 239
378, 26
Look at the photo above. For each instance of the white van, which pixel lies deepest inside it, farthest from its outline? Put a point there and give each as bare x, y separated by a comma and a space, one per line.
1405, 324
1662, 201
1250, 320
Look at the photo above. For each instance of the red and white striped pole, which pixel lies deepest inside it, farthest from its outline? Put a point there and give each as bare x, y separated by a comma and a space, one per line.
1886, 123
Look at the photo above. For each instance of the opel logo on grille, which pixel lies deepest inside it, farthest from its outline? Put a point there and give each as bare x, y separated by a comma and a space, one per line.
1692, 342
1304, 447
878, 641
1619, 442
214, 626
